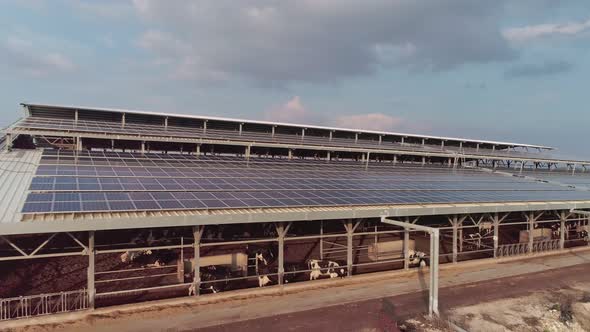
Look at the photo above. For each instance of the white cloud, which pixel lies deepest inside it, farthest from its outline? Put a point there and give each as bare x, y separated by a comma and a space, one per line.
23, 55
274, 42
292, 111
532, 32
370, 121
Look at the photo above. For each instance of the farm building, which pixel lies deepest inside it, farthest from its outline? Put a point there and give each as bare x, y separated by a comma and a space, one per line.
107, 206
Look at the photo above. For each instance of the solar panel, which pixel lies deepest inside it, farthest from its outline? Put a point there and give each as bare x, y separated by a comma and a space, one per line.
228, 182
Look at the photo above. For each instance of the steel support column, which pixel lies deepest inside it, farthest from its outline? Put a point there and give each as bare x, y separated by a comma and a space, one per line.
455, 224
496, 221
197, 234
531, 227
90, 271
406, 249
349, 260
281, 232
562, 219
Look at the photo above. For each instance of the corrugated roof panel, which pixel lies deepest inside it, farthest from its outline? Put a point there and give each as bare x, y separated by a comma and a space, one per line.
16, 171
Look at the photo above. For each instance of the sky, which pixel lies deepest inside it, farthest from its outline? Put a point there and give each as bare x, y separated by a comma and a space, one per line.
499, 70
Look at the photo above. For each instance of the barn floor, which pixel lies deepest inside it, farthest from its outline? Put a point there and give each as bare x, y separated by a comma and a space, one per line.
353, 306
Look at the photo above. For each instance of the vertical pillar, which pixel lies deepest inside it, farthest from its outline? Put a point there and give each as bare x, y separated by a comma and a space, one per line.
461, 238
205, 126
303, 133
368, 158
496, 233
477, 147
562, 220
76, 116
290, 156
247, 152
434, 269
531, 227
423, 142
166, 123
331, 135
450, 162
455, 224
321, 240
281, 241
380, 139
90, 271
197, 233
198, 150
402, 140
406, 249
112, 144
431, 275
493, 148
328, 156
442, 145
423, 160
142, 147
349, 231
123, 120
8, 141
79, 143
272, 131
460, 146
395, 159
356, 137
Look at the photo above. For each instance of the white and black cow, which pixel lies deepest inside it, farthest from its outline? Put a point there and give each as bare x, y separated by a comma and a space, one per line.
262, 269
319, 268
133, 255
417, 258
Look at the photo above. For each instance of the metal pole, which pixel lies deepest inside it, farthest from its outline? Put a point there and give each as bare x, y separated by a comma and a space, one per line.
496, 233
349, 262
531, 226
455, 224
281, 241
434, 270
562, 230
431, 275
321, 240
197, 233
406, 249
90, 271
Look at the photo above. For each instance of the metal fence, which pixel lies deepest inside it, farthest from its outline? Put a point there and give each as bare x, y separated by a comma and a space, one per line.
523, 248
43, 304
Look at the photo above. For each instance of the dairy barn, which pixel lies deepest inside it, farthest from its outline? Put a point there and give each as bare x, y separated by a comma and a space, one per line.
101, 207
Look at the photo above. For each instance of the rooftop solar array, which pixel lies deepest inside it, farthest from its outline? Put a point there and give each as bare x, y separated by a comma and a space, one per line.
111, 127
109, 182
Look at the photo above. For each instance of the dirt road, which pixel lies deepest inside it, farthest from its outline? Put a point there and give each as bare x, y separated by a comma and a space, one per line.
353, 307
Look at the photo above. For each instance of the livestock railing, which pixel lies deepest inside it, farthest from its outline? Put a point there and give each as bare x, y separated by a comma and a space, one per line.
546, 245
523, 248
513, 249
43, 304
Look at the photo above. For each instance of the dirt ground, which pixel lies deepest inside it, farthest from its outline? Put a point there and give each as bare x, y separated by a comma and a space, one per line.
497, 305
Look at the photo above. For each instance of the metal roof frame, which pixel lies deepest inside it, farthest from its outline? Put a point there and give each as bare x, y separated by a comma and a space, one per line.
128, 220
302, 126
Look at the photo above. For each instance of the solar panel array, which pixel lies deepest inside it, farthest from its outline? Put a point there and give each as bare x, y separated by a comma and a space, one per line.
107, 182
111, 127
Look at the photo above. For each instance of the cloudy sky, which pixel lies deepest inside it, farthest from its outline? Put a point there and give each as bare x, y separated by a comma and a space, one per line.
505, 70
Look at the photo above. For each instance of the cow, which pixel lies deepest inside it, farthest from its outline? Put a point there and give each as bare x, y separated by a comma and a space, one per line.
132, 255
262, 269
332, 269
202, 289
417, 258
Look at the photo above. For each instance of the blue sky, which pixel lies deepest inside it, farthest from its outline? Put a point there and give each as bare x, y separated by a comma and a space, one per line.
503, 70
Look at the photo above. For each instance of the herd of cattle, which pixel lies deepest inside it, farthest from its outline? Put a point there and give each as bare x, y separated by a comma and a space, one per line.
216, 278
